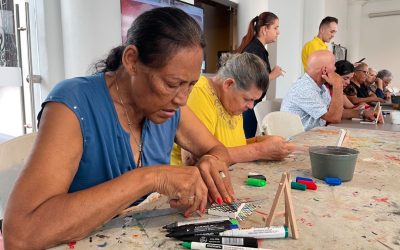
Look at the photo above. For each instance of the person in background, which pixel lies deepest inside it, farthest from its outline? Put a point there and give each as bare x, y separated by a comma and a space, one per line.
263, 29
105, 140
346, 70
383, 79
310, 99
327, 30
219, 101
362, 93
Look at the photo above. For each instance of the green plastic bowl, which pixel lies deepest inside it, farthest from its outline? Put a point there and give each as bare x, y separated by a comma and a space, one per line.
331, 161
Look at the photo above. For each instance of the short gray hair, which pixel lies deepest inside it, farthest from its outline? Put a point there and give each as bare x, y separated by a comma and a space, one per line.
384, 73
246, 69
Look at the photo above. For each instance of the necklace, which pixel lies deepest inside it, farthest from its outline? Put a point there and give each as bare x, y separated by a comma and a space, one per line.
231, 120
139, 145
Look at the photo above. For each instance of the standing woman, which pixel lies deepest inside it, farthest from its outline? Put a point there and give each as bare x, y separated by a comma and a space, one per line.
262, 30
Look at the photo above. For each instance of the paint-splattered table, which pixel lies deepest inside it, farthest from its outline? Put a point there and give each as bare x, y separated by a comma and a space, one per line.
361, 214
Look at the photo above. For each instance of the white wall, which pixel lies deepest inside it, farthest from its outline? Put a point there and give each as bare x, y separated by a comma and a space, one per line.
90, 29
338, 9
287, 51
247, 10
313, 13
380, 38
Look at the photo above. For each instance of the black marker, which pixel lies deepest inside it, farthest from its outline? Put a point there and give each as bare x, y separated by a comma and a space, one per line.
223, 240
200, 229
195, 222
185, 227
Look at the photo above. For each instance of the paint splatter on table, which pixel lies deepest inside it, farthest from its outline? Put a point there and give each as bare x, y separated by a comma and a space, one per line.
361, 214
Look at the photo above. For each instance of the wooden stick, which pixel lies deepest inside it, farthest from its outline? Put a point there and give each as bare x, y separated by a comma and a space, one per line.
278, 194
342, 135
291, 215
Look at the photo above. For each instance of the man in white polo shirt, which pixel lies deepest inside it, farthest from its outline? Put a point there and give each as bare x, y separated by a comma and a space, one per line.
310, 99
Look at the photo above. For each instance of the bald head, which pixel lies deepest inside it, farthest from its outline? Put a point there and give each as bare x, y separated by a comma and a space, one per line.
320, 62
319, 59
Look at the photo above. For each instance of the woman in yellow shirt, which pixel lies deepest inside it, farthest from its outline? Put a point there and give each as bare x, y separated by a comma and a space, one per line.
219, 102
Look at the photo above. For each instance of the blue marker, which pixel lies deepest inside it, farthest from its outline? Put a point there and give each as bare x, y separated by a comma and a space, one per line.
298, 178
333, 181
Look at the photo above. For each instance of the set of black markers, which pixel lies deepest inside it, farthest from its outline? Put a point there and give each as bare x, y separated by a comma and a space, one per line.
205, 234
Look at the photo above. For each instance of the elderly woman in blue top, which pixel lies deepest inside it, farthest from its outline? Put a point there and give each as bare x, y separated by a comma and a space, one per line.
97, 132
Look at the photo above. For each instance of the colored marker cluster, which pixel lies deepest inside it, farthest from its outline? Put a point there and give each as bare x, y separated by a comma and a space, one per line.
303, 183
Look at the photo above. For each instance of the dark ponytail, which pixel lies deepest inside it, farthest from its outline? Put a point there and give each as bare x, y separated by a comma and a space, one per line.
157, 34
264, 19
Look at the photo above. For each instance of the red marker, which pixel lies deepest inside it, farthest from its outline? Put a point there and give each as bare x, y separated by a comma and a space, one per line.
310, 184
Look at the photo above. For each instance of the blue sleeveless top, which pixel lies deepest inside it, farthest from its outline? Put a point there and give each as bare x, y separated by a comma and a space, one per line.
107, 152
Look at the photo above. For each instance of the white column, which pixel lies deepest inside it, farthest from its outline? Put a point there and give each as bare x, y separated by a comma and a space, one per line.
354, 29
287, 51
314, 12
90, 29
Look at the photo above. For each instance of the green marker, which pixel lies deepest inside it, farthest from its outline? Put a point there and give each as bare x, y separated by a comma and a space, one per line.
255, 182
299, 186
206, 246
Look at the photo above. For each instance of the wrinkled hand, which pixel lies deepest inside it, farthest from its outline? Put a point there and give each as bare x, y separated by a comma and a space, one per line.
276, 72
274, 147
369, 114
334, 79
219, 184
377, 99
184, 186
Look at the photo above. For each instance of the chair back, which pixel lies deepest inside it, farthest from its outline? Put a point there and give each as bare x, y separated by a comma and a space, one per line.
281, 123
13, 155
263, 108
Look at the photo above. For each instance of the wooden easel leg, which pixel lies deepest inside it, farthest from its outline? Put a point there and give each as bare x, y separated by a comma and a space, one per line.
278, 194
290, 211
286, 203
290, 219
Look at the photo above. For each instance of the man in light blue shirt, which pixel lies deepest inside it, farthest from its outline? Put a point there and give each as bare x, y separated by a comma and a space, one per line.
309, 97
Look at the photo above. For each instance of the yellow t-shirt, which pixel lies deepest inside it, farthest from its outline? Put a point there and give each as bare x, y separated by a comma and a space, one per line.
310, 47
206, 106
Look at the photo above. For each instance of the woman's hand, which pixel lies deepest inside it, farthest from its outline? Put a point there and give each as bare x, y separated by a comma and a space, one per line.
276, 72
185, 187
215, 174
274, 147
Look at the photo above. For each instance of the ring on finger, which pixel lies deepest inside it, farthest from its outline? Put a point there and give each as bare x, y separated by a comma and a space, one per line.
222, 174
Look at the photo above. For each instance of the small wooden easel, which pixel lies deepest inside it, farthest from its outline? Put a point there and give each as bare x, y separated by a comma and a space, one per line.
290, 219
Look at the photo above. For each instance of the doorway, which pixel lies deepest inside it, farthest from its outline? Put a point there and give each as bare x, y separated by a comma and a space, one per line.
220, 30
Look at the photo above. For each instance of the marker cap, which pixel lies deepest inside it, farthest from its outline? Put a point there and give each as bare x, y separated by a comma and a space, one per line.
333, 181
310, 184
303, 178
255, 182
187, 245
298, 186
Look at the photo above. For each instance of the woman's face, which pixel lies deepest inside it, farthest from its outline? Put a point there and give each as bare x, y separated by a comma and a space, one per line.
347, 79
361, 74
160, 92
272, 32
237, 101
